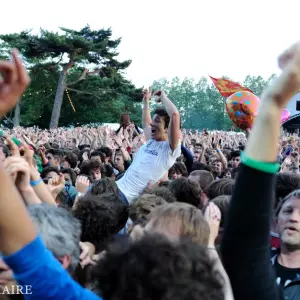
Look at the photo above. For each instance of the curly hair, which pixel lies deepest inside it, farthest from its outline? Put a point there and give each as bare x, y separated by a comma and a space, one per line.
104, 185
180, 168
88, 166
186, 190
101, 217
155, 268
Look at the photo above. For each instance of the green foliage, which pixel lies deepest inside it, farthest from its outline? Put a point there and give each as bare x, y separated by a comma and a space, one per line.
96, 83
200, 103
95, 79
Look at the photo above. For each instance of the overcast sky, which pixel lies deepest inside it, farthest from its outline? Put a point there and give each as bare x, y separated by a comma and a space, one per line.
182, 38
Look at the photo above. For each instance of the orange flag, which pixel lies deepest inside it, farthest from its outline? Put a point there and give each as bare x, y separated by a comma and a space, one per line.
227, 87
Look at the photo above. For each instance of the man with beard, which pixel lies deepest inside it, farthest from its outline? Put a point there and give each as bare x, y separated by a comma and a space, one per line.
287, 261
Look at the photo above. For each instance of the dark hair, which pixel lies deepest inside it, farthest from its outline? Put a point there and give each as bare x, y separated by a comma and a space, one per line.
108, 170
47, 170
72, 174
101, 216
98, 153
234, 172
107, 151
62, 200
80, 156
235, 153
72, 159
155, 268
186, 190
227, 154
286, 183
220, 187
57, 153
165, 183
200, 166
163, 113
228, 170
90, 165
104, 185
222, 202
126, 117
83, 147
178, 167
5, 150
162, 192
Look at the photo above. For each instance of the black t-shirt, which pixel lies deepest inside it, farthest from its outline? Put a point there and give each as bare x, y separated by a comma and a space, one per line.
285, 275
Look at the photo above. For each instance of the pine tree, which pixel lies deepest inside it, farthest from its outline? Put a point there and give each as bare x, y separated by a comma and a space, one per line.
77, 56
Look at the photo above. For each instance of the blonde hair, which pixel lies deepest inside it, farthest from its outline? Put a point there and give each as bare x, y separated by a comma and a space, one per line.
184, 218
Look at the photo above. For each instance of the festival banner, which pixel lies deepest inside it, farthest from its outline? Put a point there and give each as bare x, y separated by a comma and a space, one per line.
227, 87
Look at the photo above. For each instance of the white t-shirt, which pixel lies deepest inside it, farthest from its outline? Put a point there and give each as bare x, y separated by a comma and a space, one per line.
151, 163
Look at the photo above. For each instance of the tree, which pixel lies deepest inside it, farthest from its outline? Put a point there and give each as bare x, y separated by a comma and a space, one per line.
71, 58
200, 103
257, 84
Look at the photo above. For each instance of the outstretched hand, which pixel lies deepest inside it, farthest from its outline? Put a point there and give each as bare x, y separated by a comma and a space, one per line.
13, 83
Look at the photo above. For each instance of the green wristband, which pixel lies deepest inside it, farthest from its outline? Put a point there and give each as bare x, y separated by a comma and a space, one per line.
268, 167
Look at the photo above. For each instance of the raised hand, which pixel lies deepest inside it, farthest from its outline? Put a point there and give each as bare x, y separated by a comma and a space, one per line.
56, 184
82, 184
213, 217
118, 141
19, 170
159, 96
286, 85
14, 81
147, 94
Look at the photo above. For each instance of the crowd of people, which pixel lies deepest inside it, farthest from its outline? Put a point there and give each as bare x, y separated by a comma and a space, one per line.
156, 212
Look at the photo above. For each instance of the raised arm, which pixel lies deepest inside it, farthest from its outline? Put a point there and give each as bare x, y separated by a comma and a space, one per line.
146, 117
246, 244
16, 227
174, 126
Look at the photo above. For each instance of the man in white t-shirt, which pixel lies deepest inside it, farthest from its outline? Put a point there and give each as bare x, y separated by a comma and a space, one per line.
157, 156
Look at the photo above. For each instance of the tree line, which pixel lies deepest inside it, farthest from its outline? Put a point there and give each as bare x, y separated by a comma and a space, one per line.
76, 79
